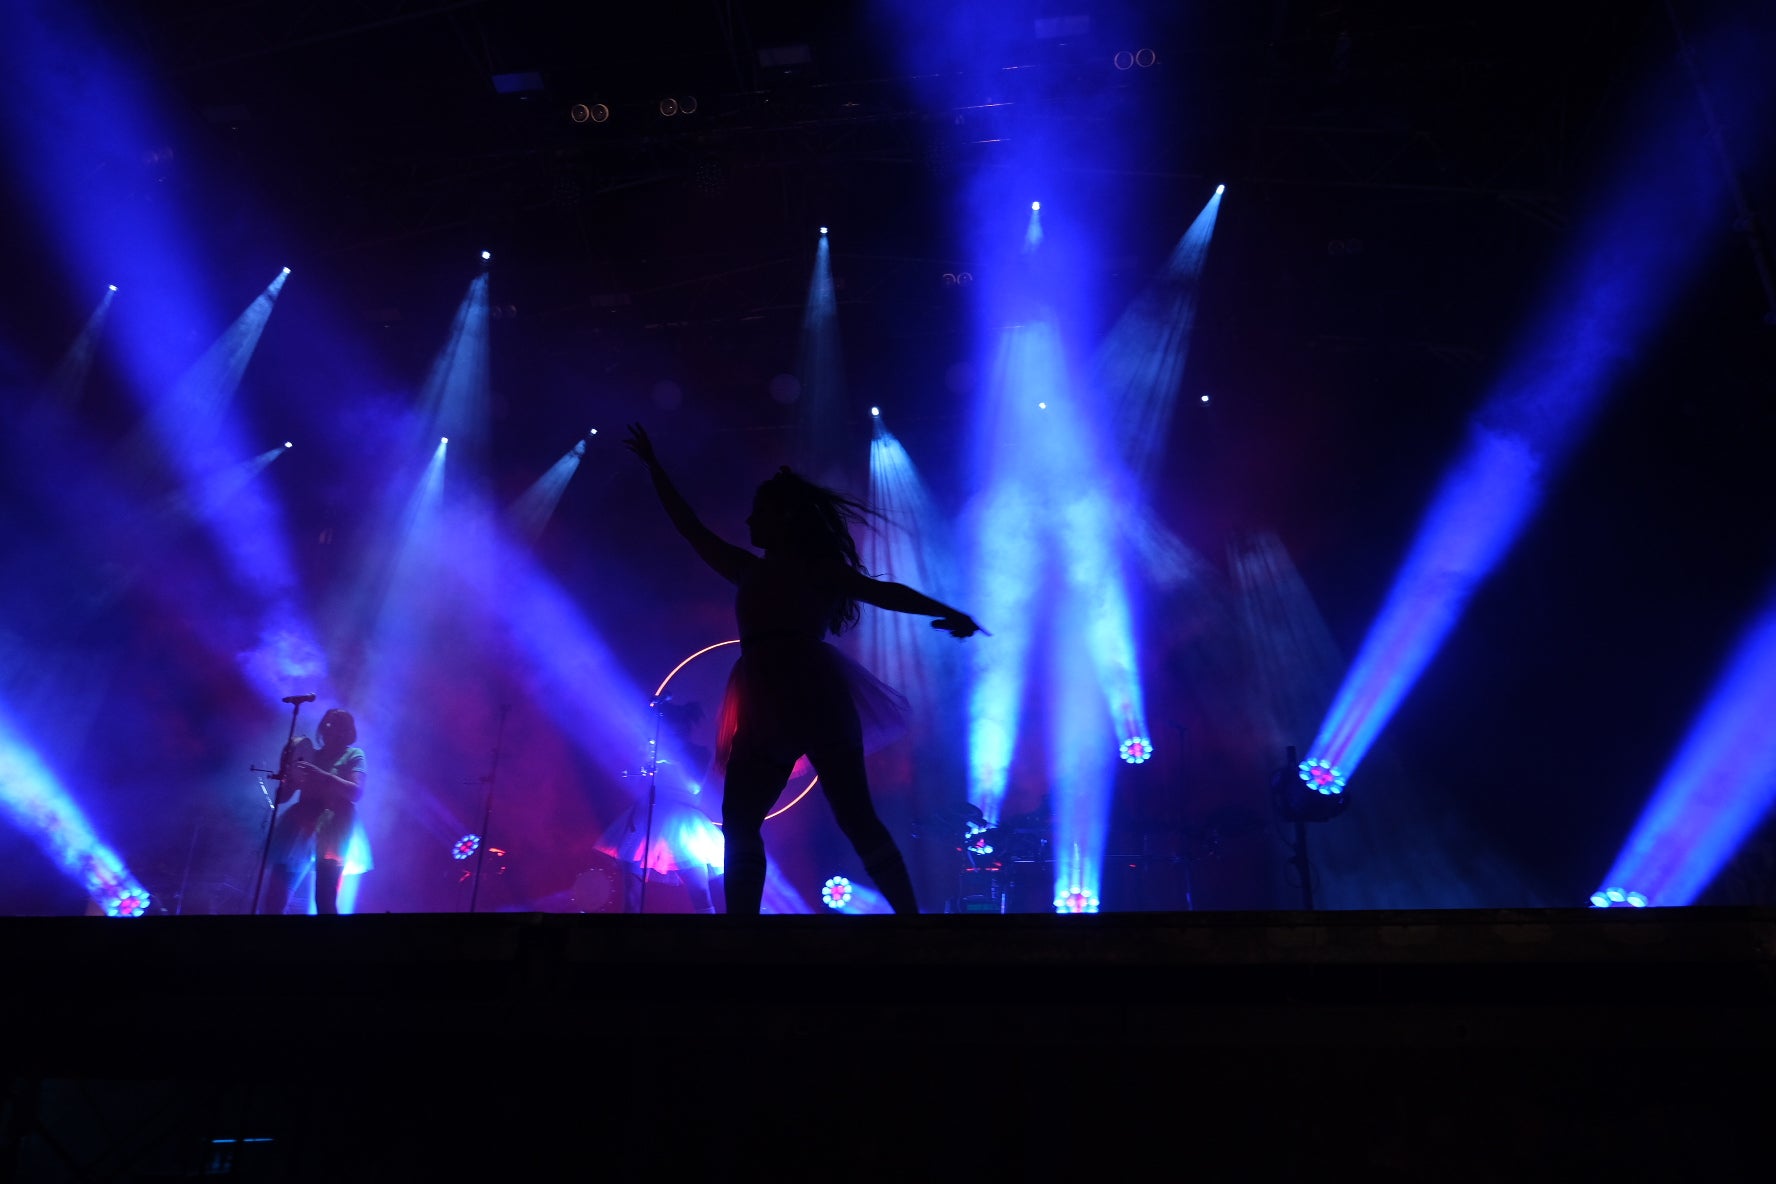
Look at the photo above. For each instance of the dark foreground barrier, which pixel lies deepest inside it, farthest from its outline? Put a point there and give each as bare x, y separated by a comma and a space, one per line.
1452, 1045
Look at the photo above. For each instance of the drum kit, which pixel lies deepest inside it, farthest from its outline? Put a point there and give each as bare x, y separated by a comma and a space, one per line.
599, 889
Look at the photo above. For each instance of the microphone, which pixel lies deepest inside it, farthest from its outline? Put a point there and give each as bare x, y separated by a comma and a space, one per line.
299, 698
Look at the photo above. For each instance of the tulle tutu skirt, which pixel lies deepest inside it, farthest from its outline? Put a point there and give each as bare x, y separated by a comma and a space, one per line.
788, 695
683, 837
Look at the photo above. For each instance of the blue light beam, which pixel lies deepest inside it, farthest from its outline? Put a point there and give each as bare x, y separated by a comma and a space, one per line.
40, 806
909, 543
531, 510
194, 414
1647, 243
1139, 367
1717, 788
68, 383
821, 440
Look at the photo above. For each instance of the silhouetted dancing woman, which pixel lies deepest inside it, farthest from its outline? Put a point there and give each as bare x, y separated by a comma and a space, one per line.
791, 693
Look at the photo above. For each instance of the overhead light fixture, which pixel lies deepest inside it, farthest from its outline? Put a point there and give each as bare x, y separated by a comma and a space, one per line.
588, 113
669, 106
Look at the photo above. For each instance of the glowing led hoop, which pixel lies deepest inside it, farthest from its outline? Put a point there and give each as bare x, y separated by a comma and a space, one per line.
1136, 749
673, 673
465, 847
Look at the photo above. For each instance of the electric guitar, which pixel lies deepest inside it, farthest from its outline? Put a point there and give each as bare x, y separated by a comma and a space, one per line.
299, 749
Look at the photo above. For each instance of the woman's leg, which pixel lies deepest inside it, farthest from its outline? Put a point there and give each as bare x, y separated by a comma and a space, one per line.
749, 791
328, 873
332, 832
846, 784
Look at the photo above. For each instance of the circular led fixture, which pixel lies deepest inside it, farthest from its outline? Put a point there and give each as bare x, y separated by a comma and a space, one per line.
1136, 749
1321, 777
465, 847
1605, 898
836, 893
1076, 901
127, 902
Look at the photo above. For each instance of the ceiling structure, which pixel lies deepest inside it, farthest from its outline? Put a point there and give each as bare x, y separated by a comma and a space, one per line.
389, 131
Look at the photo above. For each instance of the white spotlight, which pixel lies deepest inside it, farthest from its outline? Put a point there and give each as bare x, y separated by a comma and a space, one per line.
113, 287
1042, 406
593, 432
289, 444
486, 255
875, 411
1220, 189
1035, 205
286, 271
443, 439
1205, 398
823, 230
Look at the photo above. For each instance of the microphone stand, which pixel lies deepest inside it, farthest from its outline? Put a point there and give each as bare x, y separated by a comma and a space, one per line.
487, 806
653, 779
283, 771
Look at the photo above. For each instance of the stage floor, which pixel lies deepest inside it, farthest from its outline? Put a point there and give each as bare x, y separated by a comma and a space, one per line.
1468, 1044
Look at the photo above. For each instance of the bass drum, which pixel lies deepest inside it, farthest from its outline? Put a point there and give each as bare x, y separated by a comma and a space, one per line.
599, 889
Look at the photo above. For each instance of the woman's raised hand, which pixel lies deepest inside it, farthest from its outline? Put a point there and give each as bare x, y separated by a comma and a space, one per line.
640, 445
958, 625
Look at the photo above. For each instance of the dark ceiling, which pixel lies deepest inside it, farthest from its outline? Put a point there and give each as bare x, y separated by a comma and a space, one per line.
376, 132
